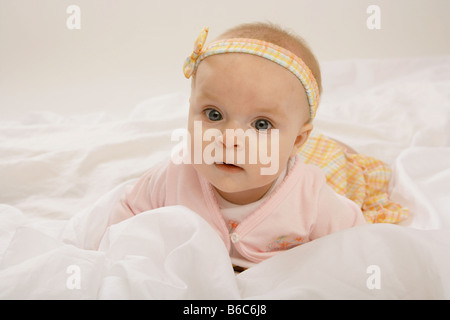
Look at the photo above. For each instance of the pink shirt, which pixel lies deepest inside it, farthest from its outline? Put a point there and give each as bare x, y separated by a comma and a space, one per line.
300, 209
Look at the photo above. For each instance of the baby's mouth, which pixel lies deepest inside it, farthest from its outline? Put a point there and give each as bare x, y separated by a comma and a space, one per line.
228, 167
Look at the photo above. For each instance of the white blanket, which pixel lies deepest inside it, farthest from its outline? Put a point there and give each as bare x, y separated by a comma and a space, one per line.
54, 168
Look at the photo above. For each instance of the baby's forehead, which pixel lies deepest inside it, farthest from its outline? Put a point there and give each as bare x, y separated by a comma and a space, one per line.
249, 69
251, 81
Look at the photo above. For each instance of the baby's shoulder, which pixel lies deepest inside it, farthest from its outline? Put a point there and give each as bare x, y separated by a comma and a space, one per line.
308, 173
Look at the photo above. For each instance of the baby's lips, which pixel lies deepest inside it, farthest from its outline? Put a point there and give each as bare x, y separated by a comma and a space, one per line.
231, 164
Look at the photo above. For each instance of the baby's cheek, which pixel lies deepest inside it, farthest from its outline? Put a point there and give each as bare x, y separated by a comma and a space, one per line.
269, 153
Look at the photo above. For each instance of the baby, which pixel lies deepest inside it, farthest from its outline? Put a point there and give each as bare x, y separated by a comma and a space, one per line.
254, 91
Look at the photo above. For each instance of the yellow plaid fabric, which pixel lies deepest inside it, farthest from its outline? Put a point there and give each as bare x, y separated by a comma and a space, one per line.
361, 178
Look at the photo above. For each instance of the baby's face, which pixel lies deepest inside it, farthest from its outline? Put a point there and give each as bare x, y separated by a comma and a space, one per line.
236, 93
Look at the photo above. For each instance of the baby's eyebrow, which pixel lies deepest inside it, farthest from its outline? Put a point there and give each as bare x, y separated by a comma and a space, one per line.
274, 110
266, 109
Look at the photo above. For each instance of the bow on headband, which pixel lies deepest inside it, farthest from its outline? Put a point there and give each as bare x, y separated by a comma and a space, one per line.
190, 63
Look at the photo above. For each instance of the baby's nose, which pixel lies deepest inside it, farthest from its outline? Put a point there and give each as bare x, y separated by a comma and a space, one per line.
232, 138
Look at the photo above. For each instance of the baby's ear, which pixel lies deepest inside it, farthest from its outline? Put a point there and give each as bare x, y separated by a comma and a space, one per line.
302, 137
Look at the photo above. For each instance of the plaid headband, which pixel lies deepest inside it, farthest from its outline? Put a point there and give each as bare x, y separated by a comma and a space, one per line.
260, 48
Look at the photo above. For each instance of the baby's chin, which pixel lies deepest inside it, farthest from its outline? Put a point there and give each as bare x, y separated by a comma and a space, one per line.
229, 189
234, 178
243, 186
242, 196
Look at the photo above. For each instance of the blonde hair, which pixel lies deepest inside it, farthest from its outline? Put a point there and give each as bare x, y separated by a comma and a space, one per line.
273, 33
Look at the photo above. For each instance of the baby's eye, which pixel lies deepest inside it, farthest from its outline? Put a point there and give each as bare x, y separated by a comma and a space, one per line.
213, 115
262, 124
